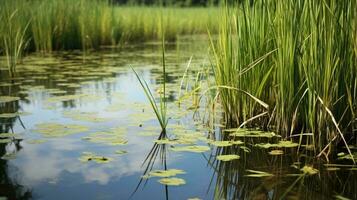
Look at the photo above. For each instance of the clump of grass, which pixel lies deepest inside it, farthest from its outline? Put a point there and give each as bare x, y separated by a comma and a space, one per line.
299, 59
86, 24
160, 109
12, 35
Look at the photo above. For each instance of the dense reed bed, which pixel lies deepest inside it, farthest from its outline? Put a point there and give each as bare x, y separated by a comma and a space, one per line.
71, 24
291, 67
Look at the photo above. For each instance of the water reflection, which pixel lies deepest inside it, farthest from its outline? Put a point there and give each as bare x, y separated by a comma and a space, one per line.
102, 86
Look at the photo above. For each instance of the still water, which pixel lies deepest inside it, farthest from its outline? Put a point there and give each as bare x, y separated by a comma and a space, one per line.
82, 128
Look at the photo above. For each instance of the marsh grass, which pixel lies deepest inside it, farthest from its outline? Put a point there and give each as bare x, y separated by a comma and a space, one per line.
12, 35
84, 24
161, 109
299, 58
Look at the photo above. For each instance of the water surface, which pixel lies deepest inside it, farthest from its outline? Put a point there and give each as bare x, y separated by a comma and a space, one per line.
68, 99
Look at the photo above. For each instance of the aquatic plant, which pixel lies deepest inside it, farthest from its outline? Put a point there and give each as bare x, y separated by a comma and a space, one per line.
289, 67
87, 24
13, 38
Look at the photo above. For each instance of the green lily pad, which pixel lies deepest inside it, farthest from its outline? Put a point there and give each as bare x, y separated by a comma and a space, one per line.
166, 173
7, 99
172, 181
308, 170
228, 157
9, 156
251, 133
193, 148
89, 156
333, 168
9, 115
165, 141
221, 143
10, 135
347, 156
276, 152
108, 138
59, 130
4, 141
281, 144
120, 152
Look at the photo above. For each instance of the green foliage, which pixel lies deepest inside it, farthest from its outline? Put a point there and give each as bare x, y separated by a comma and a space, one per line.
298, 57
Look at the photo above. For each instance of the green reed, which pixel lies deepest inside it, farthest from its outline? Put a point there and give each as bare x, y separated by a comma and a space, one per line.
290, 66
13, 38
83, 24
160, 109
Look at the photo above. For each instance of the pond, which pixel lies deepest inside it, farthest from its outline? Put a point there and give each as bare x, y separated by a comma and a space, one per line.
77, 125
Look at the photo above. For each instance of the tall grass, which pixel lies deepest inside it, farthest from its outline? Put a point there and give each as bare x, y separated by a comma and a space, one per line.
13, 38
83, 24
290, 66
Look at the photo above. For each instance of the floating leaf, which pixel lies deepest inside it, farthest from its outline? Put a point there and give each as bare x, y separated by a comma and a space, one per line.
221, 143
59, 130
281, 144
3, 141
276, 152
88, 156
165, 141
108, 138
333, 168
166, 173
121, 152
308, 170
194, 148
9, 115
9, 156
6, 99
10, 135
172, 181
251, 133
347, 156
228, 157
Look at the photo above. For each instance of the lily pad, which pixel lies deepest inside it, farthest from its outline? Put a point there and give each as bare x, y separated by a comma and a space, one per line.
165, 141
89, 156
59, 130
10, 135
108, 138
228, 157
121, 152
9, 156
193, 148
308, 170
276, 152
4, 141
281, 144
172, 181
251, 133
9, 115
221, 143
166, 173
6, 99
